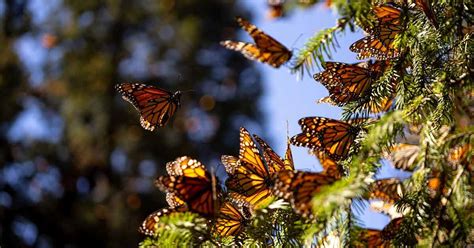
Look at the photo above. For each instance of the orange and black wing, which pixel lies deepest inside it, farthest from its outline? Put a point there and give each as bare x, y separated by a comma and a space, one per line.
371, 238
288, 161
333, 137
197, 188
299, 188
230, 163
389, 190
372, 46
156, 106
266, 49
232, 217
387, 14
330, 167
151, 223
251, 177
274, 162
345, 82
403, 156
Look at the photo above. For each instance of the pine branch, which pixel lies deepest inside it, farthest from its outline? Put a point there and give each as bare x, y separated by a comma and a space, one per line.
315, 51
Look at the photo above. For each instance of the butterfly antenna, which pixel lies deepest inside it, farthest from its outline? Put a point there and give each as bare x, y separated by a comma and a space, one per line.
187, 91
294, 42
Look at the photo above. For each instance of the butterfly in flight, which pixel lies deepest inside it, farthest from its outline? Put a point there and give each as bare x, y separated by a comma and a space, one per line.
379, 42
233, 216
348, 82
190, 182
330, 136
266, 49
156, 106
299, 188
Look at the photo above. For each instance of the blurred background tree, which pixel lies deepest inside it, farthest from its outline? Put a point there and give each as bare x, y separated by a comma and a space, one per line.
76, 168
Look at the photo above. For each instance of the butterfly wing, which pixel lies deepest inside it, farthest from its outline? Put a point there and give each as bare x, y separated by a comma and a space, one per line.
332, 136
251, 177
196, 187
345, 82
299, 188
389, 190
151, 223
274, 162
372, 46
387, 14
289, 163
330, 167
230, 163
232, 216
276, 52
156, 106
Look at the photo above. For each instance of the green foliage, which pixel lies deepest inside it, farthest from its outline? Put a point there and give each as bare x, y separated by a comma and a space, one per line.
179, 230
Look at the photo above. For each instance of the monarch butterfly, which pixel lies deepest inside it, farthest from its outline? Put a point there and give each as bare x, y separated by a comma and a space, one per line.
379, 43
233, 216
274, 162
249, 176
156, 106
190, 182
333, 137
151, 223
403, 156
459, 155
330, 167
266, 49
389, 190
372, 238
299, 188
347, 82
387, 13
275, 8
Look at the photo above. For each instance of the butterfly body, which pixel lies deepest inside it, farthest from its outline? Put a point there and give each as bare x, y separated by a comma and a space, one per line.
266, 49
156, 106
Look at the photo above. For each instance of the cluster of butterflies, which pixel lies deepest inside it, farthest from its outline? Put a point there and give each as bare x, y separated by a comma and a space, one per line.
258, 175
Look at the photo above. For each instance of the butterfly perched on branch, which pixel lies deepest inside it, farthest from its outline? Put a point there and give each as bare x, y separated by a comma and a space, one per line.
193, 184
378, 238
152, 223
156, 106
299, 188
379, 42
234, 214
330, 136
349, 82
251, 174
266, 49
